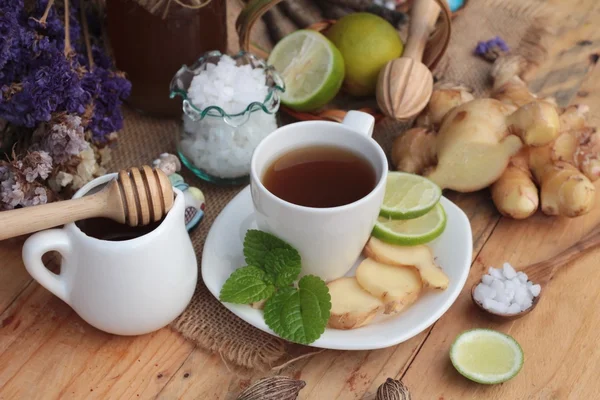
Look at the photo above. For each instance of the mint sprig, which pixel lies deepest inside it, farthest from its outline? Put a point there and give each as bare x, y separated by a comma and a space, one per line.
298, 314
246, 285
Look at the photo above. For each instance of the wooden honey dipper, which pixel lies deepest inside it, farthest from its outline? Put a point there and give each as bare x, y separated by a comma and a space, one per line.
136, 197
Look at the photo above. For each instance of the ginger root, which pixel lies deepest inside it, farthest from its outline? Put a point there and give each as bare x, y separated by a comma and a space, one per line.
444, 98
564, 169
515, 189
475, 142
414, 151
514, 141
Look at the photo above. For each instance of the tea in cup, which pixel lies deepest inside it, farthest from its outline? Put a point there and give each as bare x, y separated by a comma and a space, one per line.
319, 186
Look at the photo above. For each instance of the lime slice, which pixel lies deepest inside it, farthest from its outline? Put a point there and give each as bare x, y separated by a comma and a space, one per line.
409, 196
411, 232
311, 67
486, 356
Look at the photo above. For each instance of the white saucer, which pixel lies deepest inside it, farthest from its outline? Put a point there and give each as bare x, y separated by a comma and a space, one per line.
453, 251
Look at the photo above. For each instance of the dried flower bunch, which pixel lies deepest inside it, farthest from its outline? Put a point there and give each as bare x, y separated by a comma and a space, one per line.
60, 99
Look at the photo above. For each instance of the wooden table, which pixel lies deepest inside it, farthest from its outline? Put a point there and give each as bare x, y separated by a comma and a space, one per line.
48, 352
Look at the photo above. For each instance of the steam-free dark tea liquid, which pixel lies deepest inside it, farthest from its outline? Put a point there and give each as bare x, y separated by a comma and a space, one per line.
107, 229
320, 176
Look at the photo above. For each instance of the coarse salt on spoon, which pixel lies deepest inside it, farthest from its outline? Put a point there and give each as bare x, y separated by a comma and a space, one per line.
541, 273
136, 197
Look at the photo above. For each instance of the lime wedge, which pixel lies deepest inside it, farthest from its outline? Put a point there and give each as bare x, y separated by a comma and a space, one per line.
409, 196
411, 232
311, 67
486, 356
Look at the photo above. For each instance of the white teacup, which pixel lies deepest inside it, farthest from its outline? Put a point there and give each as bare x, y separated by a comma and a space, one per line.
128, 287
329, 240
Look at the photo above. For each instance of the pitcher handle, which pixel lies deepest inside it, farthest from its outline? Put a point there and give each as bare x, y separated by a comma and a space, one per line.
35, 247
360, 122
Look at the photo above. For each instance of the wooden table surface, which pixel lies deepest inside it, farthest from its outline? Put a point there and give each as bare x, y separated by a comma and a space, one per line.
48, 352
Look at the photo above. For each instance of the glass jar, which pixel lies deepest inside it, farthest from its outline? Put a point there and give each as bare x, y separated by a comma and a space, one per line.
150, 46
217, 146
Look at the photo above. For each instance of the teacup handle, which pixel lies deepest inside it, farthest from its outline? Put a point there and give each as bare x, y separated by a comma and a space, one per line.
35, 247
360, 122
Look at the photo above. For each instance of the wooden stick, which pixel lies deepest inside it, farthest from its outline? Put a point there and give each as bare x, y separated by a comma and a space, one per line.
86, 35
331, 10
294, 11
46, 11
275, 32
354, 4
335, 9
67, 32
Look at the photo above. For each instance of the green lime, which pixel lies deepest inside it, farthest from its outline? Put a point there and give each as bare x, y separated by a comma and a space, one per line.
409, 196
486, 356
411, 232
311, 67
367, 42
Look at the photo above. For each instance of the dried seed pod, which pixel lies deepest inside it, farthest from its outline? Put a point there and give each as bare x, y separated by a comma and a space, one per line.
392, 389
273, 388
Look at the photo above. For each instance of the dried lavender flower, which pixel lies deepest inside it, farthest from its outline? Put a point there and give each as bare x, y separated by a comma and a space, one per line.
36, 164
37, 80
39, 197
65, 139
20, 180
11, 193
491, 49
56, 110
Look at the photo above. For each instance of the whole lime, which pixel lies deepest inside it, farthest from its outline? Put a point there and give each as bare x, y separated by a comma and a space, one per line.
311, 67
367, 42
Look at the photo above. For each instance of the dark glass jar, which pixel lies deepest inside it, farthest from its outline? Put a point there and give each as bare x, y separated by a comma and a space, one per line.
151, 47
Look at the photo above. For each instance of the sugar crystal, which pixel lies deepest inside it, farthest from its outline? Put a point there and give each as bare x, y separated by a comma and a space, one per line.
506, 291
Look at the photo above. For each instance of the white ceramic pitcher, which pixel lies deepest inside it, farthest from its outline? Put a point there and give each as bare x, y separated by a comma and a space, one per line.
128, 287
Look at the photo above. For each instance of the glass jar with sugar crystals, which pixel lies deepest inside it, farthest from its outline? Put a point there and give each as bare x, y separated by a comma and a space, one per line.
229, 106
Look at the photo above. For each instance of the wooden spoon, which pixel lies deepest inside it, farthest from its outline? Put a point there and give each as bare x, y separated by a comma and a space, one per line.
404, 85
136, 197
542, 272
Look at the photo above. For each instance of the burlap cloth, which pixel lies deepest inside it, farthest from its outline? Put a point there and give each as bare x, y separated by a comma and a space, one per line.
208, 323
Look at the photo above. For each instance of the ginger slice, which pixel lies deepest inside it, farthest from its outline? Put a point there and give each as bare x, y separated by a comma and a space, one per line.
398, 287
351, 305
419, 257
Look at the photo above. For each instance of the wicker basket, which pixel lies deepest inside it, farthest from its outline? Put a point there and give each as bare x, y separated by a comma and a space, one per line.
435, 49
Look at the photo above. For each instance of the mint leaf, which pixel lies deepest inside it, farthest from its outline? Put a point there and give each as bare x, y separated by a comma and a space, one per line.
314, 288
258, 243
299, 315
246, 285
283, 265
274, 308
